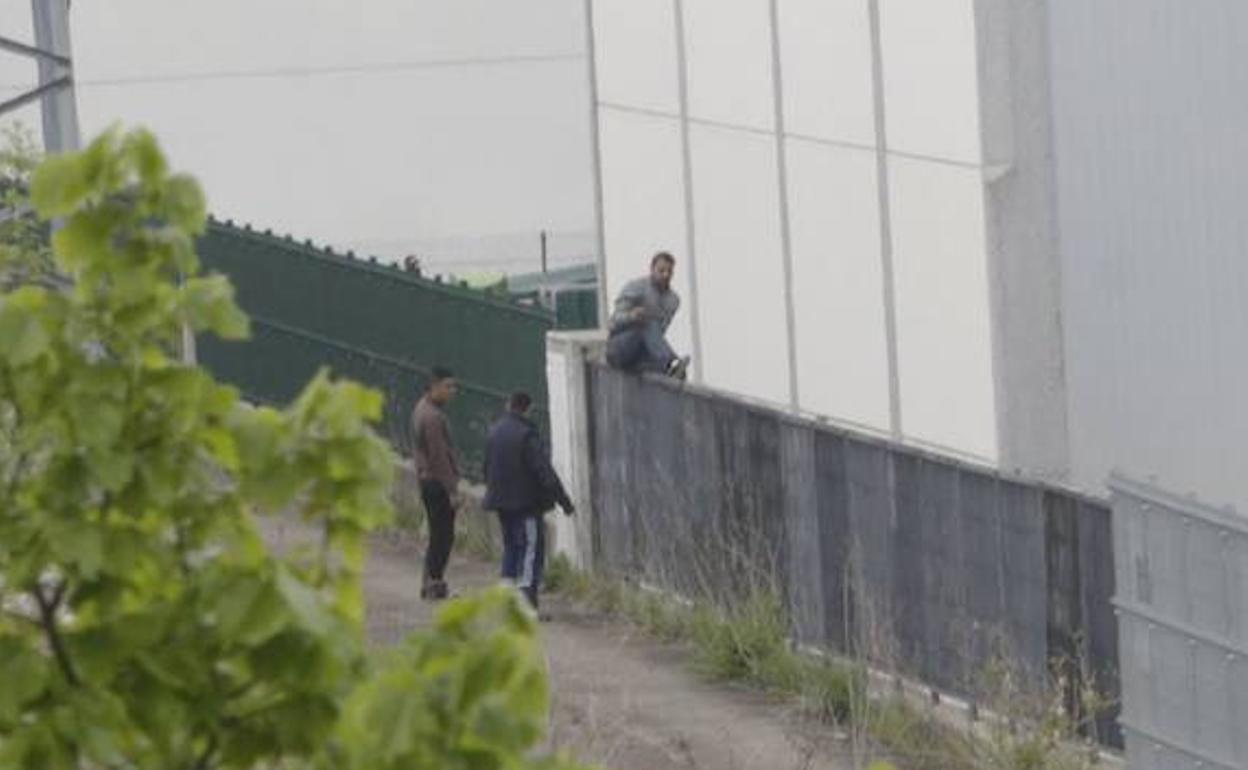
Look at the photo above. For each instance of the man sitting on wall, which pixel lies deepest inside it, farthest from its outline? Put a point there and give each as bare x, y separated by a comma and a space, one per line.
643, 311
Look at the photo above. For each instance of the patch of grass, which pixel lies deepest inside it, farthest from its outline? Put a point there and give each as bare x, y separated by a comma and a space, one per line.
913, 737
749, 642
658, 615
827, 690
477, 533
562, 577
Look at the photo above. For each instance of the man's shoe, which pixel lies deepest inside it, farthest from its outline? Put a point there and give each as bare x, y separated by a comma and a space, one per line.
434, 590
678, 368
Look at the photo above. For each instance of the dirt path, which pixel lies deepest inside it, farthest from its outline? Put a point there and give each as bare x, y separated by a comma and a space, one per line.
620, 699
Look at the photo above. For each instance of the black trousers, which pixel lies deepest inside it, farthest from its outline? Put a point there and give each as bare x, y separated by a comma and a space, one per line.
441, 516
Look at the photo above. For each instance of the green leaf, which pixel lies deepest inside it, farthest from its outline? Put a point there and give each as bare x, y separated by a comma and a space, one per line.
304, 602
80, 544
185, 205
112, 469
250, 610
59, 185
148, 159
207, 304
86, 239
24, 674
22, 326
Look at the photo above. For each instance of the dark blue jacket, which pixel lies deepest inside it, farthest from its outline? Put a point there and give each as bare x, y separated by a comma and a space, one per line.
518, 473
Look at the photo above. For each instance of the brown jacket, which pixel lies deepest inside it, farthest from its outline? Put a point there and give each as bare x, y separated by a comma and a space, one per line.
435, 452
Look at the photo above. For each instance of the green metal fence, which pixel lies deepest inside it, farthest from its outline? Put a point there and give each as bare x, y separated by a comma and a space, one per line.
376, 324
576, 308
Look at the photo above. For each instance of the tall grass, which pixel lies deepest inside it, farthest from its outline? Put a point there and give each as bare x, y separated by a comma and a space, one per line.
748, 641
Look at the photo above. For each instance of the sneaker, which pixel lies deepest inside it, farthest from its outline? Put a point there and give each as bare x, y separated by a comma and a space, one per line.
678, 368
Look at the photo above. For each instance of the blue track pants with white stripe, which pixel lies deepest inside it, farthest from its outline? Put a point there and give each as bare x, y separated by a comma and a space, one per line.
524, 550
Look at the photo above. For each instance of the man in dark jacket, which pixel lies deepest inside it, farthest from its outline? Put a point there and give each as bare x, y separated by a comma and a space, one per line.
521, 486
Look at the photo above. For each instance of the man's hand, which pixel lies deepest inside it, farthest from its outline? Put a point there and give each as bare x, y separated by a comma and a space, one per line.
568, 509
637, 314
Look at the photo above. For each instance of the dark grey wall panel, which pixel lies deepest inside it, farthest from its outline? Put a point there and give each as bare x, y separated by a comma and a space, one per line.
920, 563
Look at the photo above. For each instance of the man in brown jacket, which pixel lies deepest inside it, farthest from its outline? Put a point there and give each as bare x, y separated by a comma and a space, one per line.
437, 468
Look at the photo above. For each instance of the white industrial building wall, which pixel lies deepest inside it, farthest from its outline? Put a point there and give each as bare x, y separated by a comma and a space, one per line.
944, 334
641, 146
1151, 128
936, 198
826, 58
741, 289
644, 202
789, 294
842, 345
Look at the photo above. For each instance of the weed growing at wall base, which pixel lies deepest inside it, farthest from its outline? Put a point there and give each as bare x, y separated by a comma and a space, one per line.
748, 642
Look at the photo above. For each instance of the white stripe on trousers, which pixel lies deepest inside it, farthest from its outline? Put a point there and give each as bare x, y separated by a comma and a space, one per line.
529, 564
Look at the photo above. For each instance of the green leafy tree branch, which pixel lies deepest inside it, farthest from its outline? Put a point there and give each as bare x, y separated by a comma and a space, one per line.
143, 622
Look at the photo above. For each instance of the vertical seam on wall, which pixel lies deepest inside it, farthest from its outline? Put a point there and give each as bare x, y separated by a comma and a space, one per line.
782, 179
682, 66
1067, 446
886, 224
994, 244
591, 53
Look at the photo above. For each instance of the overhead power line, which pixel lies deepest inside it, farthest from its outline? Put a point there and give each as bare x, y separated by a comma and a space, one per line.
346, 69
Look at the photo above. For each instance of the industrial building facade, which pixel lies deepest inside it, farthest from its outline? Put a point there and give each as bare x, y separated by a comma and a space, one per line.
1004, 229
1007, 229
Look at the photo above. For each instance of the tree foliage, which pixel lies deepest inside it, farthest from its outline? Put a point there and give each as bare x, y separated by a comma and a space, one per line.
24, 252
143, 623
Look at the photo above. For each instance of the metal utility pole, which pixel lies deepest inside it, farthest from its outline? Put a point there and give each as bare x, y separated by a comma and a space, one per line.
55, 92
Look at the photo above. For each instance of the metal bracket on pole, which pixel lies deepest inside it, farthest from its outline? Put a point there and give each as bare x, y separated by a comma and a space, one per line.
20, 48
36, 93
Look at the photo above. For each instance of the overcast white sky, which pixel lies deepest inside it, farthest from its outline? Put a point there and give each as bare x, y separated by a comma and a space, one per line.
324, 117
